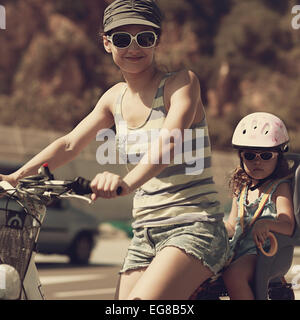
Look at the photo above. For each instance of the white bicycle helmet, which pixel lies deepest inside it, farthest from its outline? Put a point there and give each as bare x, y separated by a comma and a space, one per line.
261, 130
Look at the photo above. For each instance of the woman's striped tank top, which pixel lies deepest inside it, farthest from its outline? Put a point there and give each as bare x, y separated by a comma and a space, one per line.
184, 191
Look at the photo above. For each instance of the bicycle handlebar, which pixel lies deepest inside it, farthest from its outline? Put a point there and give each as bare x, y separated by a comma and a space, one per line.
20, 229
44, 184
81, 186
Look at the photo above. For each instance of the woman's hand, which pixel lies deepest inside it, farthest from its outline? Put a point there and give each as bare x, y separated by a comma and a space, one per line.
9, 178
260, 231
105, 185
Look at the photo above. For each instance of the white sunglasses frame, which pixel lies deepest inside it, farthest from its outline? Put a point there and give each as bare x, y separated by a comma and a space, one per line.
274, 155
109, 38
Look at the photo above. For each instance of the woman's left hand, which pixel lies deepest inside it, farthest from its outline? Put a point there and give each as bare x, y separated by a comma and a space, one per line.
260, 232
105, 185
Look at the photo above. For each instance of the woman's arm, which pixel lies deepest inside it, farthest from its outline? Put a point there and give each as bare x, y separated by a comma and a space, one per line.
66, 148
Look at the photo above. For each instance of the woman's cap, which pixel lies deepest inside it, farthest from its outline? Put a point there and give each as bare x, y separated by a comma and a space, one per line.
124, 12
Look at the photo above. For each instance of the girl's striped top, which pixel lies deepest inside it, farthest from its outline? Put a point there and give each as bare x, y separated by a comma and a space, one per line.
184, 191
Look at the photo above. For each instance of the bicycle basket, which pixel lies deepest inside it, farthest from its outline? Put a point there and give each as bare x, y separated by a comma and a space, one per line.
18, 232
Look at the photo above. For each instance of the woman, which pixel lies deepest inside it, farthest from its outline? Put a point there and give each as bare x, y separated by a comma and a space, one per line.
179, 236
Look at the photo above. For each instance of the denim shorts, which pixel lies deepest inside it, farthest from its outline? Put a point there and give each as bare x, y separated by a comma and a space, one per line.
246, 246
206, 241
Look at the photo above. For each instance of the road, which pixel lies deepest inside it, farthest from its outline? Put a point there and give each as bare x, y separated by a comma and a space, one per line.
67, 283
97, 281
62, 281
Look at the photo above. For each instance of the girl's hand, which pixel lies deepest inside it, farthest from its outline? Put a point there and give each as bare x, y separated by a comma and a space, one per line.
105, 185
260, 231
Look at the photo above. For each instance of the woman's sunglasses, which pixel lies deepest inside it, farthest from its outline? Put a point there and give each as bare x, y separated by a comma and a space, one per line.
267, 155
122, 40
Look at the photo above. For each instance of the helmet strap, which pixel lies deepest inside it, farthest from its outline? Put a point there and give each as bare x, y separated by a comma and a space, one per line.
260, 183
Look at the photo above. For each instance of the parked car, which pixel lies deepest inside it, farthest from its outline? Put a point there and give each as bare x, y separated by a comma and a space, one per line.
68, 230
65, 230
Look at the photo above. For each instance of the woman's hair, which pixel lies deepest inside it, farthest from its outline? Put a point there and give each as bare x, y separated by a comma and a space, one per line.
240, 179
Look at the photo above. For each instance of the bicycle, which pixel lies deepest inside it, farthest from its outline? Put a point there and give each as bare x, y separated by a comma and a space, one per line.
19, 230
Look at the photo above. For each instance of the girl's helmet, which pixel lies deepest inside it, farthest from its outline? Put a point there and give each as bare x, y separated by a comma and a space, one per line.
261, 130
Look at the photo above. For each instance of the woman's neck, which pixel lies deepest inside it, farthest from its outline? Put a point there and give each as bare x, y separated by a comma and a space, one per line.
137, 82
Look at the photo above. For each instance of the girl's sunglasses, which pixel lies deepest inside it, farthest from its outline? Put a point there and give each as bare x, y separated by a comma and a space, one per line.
267, 155
122, 40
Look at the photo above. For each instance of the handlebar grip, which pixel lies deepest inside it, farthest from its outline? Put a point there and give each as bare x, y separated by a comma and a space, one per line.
119, 190
81, 186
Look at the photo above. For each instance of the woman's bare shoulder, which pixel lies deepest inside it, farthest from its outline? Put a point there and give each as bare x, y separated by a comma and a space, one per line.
183, 77
108, 99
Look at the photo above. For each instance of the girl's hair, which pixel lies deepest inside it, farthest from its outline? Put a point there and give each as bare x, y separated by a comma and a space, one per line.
240, 179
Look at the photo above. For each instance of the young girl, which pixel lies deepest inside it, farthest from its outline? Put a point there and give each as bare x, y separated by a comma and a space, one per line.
261, 138
179, 236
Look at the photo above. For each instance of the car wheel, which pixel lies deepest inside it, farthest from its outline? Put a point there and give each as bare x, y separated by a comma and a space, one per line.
81, 249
